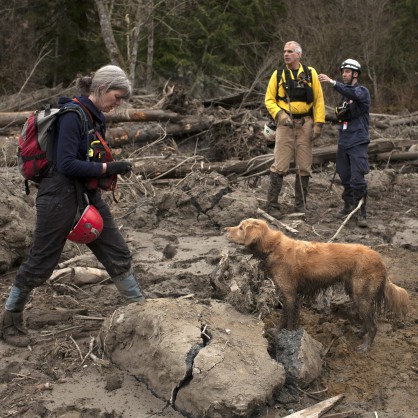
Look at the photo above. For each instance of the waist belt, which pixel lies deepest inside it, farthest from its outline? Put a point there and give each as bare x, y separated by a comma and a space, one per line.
299, 115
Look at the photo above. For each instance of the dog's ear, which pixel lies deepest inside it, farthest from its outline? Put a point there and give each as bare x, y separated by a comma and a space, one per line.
252, 231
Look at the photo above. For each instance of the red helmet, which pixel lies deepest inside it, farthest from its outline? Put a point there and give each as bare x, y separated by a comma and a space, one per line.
88, 227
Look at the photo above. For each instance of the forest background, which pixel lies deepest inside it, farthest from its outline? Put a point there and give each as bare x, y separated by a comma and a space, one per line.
211, 47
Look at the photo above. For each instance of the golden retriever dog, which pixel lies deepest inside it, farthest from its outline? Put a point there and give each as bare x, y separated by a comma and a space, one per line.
305, 268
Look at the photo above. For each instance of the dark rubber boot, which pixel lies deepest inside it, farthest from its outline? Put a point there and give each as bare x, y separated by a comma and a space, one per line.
12, 329
362, 213
128, 287
276, 183
348, 199
361, 217
301, 193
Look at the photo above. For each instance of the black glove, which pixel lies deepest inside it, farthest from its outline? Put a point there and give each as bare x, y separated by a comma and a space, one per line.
118, 167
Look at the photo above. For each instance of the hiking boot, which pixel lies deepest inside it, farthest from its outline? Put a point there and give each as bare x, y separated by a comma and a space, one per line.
344, 211
12, 329
361, 217
361, 221
272, 207
301, 191
274, 210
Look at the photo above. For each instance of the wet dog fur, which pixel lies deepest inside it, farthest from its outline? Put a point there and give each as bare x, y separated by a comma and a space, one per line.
305, 268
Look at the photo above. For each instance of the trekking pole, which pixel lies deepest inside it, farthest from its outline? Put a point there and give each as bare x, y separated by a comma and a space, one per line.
333, 176
333, 179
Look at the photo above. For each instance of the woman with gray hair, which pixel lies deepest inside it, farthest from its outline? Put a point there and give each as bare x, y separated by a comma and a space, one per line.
69, 202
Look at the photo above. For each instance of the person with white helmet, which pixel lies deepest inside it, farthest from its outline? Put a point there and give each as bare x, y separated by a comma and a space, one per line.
352, 154
82, 165
295, 101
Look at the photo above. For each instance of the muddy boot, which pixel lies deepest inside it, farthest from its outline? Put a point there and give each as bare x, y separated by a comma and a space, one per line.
348, 204
273, 208
361, 214
128, 287
301, 193
361, 217
12, 329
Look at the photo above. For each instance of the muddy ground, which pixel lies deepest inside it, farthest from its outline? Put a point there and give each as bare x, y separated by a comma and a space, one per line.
176, 234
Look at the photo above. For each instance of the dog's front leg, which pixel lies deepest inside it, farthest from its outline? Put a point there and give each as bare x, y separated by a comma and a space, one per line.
289, 315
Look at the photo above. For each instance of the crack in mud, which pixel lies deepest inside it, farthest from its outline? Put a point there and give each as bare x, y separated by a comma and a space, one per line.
190, 356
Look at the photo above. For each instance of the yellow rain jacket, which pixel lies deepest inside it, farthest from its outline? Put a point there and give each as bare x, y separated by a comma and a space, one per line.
273, 104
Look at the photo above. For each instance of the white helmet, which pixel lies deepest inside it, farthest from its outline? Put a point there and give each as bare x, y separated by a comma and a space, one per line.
351, 64
270, 130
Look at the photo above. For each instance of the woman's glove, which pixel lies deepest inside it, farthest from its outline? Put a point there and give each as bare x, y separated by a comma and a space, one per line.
118, 167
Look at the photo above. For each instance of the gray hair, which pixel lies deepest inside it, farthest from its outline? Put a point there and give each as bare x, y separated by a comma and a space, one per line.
298, 48
109, 77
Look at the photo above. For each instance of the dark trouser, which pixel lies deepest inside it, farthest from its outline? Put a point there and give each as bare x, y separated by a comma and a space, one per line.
56, 209
352, 166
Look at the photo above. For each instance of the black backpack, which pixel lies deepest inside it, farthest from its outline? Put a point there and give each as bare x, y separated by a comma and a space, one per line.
296, 90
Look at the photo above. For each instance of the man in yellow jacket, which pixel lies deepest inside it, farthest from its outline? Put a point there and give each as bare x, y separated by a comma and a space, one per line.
295, 101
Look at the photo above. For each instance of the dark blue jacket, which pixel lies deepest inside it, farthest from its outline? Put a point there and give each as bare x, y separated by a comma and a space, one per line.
357, 129
71, 147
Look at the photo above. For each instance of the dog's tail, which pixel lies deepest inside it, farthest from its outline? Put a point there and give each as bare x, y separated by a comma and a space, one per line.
396, 299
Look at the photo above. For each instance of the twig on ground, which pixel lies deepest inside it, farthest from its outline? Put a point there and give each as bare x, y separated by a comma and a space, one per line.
22, 376
328, 348
89, 318
276, 222
177, 166
53, 333
78, 348
347, 219
308, 394
95, 359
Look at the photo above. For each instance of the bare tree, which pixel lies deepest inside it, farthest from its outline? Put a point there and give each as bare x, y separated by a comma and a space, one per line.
150, 43
108, 36
132, 40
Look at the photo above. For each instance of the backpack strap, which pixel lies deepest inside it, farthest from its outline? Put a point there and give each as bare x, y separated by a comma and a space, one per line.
288, 85
88, 113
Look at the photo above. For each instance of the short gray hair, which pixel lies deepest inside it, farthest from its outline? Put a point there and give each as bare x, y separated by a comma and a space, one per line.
109, 77
298, 48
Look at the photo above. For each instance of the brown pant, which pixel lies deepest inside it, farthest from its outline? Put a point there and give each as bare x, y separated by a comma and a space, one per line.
294, 143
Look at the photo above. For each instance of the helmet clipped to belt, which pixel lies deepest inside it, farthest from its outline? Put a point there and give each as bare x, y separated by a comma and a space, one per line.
270, 130
88, 227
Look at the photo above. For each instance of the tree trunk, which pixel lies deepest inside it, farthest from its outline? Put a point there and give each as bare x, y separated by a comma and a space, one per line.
133, 53
131, 115
115, 55
150, 43
134, 133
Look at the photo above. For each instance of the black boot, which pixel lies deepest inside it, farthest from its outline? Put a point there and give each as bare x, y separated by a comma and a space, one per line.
348, 203
276, 183
361, 214
301, 193
12, 329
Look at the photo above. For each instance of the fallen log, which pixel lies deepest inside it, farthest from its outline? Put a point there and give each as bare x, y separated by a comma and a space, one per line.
23, 100
176, 167
376, 146
131, 115
134, 133
179, 167
406, 120
397, 156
